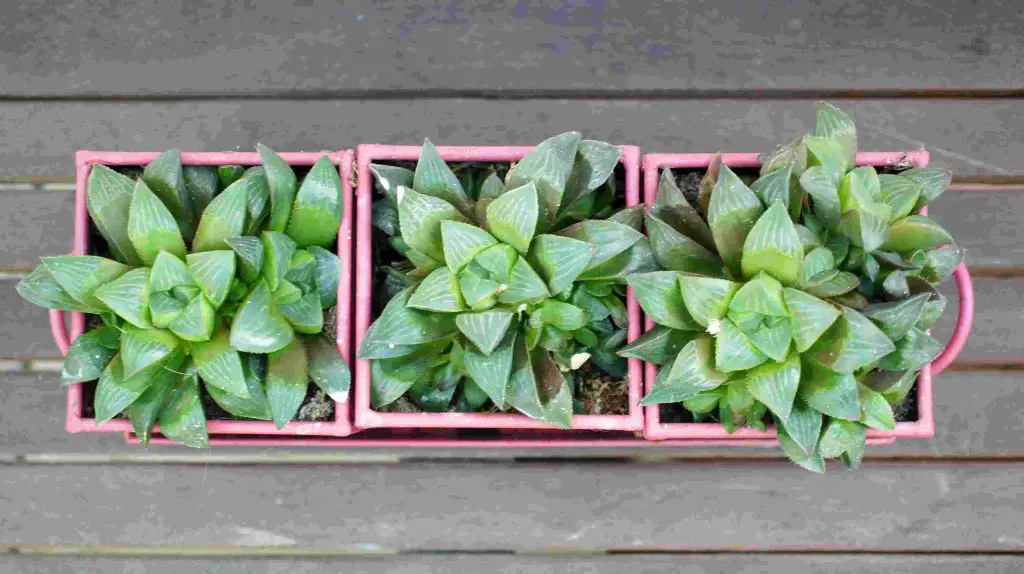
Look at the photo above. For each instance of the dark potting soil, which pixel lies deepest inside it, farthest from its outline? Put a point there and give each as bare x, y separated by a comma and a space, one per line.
317, 406
600, 393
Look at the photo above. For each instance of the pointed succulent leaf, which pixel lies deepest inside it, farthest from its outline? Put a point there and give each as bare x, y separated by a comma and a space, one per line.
831, 283
708, 182
658, 346
595, 163
672, 208
809, 316
677, 252
631, 217
900, 194
128, 297
278, 250
498, 261
809, 239
433, 177
478, 293
287, 292
142, 348
548, 166
761, 295
524, 285
841, 436
462, 242
896, 319
773, 340
115, 391
822, 186
196, 321
282, 181
637, 259
182, 419
915, 232
399, 325
817, 260
773, 246
940, 263
165, 176
287, 381
240, 407
202, 186
391, 378
257, 199
734, 351
559, 260
606, 238
224, 217
328, 369
706, 298
775, 385
420, 217
491, 372
219, 364
794, 451
213, 270
316, 212
537, 388
327, 275
40, 288
777, 186
485, 330
731, 215
933, 182
876, 412
151, 227
915, 350
793, 153
108, 198
164, 308
512, 218
258, 327
803, 426
661, 299
827, 153
143, 413
851, 343
439, 292
835, 124
88, 355
389, 177
831, 393
692, 372
80, 275
865, 229
563, 316
306, 315
169, 272
228, 174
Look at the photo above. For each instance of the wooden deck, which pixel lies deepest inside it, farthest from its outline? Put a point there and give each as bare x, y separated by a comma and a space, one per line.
668, 76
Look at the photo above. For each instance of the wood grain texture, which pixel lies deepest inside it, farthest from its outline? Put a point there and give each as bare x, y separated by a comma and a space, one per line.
978, 414
511, 564
24, 328
978, 138
473, 506
180, 48
38, 221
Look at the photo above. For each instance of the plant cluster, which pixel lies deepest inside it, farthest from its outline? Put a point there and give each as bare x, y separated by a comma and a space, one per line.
216, 275
805, 294
508, 285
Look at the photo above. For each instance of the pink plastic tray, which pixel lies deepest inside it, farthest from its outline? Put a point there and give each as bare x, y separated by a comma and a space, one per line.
923, 427
341, 425
365, 416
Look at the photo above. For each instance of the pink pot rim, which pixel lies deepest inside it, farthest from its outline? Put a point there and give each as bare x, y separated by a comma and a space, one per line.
924, 427
84, 160
365, 417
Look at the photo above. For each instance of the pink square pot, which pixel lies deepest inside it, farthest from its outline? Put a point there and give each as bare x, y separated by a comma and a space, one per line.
341, 425
923, 427
365, 416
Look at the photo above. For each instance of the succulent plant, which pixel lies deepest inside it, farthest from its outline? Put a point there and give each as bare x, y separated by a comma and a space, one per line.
241, 311
508, 285
806, 295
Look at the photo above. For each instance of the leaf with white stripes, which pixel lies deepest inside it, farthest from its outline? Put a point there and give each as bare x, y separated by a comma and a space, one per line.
151, 227
734, 351
250, 256
658, 345
391, 378
278, 250
524, 285
773, 246
777, 186
202, 186
491, 372
89, 354
182, 419
316, 213
327, 368
822, 186
548, 166
915, 350
219, 364
144, 411
142, 348
851, 343
934, 182
900, 194
828, 392
810, 317
672, 207
282, 181
433, 177
826, 153
128, 297
439, 292
258, 327
841, 436
223, 218
876, 412
661, 299
196, 321
559, 260
731, 214
485, 329
165, 177
306, 315
773, 340
896, 319
327, 275
817, 260
390, 177
607, 238
108, 198
80, 275
420, 218
462, 242
287, 381
257, 199
115, 391
169, 272
40, 288
478, 293
691, 373
677, 252
706, 298
794, 452
833, 123
512, 218
399, 326
915, 232
761, 295
213, 270
775, 385
803, 426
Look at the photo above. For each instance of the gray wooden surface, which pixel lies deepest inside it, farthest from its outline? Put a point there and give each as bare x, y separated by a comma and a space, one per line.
668, 76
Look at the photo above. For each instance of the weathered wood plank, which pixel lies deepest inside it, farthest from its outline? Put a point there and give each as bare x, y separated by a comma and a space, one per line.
519, 564
175, 48
977, 414
475, 506
38, 219
24, 328
971, 137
